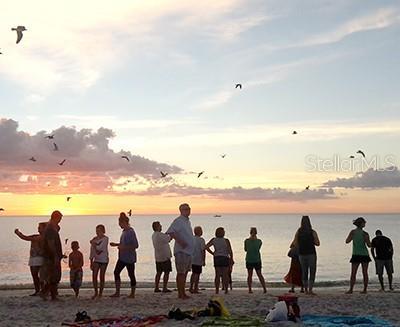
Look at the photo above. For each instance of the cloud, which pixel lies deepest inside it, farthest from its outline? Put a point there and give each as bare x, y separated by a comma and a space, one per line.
66, 47
240, 193
370, 179
310, 131
380, 19
91, 165
261, 77
113, 122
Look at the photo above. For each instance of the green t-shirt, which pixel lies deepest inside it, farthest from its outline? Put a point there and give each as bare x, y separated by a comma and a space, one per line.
359, 246
252, 248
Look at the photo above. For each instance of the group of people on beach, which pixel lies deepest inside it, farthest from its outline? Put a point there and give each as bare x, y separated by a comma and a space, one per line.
190, 252
304, 256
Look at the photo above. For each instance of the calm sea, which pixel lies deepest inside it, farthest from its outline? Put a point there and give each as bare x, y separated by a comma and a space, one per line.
276, 232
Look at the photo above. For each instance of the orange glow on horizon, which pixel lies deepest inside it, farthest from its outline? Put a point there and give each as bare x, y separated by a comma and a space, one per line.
384, 201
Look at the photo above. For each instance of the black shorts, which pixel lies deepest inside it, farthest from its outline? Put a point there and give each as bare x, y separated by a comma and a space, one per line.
360, 259
253, 265
197, 269
164, 267
221, 261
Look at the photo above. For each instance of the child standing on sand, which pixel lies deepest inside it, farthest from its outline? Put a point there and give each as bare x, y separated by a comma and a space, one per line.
75, 262
198, 259
99, 259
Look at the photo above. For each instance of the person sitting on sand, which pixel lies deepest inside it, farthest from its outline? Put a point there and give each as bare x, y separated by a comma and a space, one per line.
162, 254
126, 255
293, 277
223, 255
75, 264
360, 254
252, 247
50, 272
99, 259
35, 257
306, 239
198, 259
181, 231
382, 252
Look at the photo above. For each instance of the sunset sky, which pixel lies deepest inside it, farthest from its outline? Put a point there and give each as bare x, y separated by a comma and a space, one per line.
155, 81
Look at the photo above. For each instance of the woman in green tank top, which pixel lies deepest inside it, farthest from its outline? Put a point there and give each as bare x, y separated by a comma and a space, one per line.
360, 254
252, 247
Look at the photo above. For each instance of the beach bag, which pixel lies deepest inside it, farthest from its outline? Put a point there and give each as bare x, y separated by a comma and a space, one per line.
82, 316
278, 313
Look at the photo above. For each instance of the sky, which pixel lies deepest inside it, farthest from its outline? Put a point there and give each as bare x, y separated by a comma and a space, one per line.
155, 81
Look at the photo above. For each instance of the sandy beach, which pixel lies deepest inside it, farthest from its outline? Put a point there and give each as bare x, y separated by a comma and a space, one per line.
19, 309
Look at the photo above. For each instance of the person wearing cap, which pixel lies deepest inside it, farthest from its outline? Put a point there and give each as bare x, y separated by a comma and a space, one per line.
360, 255
382, 252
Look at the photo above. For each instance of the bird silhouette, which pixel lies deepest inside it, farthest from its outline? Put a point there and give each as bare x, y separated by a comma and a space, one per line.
2, 209
352, 157
238, 86
55, 147
1, 52
199, 174
32, 159
130, 212
294, 132
62, 162
49, 137
223, 156
125, 157
307, 187
19, 30
163, 174
68, 198
361, 152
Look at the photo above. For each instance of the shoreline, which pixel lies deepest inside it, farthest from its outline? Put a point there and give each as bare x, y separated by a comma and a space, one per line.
242, 284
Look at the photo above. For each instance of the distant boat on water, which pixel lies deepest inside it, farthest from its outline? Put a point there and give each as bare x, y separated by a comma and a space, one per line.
217, 216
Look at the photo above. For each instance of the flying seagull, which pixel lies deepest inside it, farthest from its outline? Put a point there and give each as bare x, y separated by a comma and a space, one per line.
49, 137
125, 157
68, 198
294, 132
238, 86
55, 147
163, 174
307, 187
361, 152
19, 30
223, 156
130, 212
32, 159
62, 162
199, 174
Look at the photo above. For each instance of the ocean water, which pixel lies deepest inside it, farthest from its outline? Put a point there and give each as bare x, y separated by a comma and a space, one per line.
275, 230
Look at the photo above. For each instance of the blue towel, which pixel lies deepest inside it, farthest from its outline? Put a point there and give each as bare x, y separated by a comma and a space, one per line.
344, 321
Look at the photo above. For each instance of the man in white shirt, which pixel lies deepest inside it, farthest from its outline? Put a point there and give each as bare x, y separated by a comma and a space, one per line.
181, 231
162, 254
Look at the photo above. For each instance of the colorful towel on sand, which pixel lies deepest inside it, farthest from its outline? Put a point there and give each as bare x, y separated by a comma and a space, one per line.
344, 321
118, 322
233, 321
